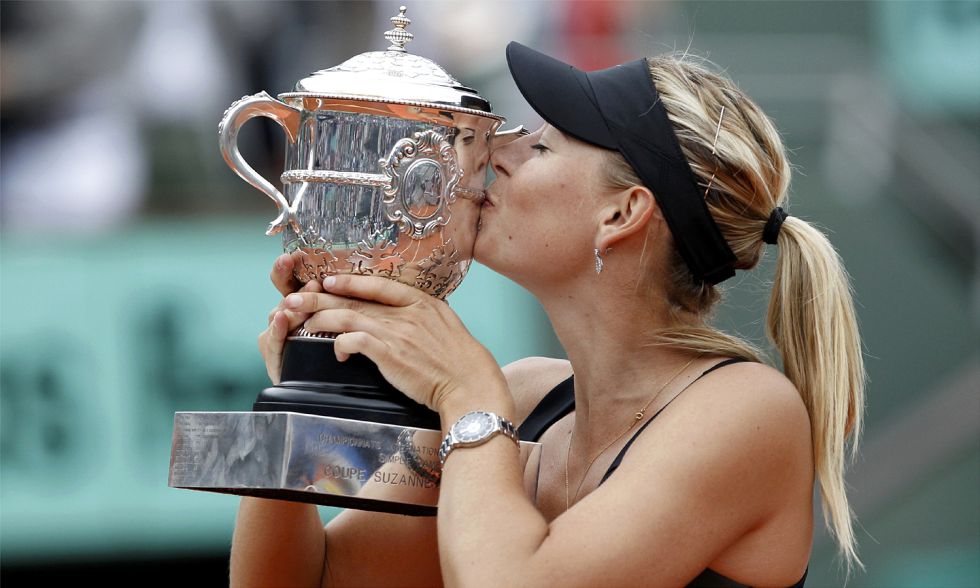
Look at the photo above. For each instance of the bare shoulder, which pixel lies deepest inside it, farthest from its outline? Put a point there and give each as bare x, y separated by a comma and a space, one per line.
750, 416
755, 388
529, 379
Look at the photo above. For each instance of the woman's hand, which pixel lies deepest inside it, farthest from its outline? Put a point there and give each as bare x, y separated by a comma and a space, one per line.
281, 320
417, 341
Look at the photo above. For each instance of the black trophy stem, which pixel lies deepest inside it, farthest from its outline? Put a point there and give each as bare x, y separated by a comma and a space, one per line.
314, 382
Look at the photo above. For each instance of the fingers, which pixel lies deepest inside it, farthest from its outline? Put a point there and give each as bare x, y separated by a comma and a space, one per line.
355, 293
312, 286
374, 288
317, 301
282, 275
342, 320
296, 317
347, 344
282, 322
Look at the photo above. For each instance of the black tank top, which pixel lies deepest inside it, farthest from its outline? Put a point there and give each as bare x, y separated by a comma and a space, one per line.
560, 401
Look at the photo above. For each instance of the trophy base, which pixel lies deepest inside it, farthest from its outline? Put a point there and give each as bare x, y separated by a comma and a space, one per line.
410, 510
314, 382
316, 459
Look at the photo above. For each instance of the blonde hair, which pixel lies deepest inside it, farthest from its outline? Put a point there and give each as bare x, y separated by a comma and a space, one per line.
811, 318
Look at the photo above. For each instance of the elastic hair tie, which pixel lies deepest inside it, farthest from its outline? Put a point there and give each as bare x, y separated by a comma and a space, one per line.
775, 222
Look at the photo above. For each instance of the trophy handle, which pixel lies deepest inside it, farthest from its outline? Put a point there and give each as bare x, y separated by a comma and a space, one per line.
240, 112
502, 138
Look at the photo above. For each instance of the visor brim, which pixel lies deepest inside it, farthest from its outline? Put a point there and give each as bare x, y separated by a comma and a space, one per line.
559, 93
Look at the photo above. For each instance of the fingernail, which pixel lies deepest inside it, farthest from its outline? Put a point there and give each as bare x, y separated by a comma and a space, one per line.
281, 261
329, 281
294, 301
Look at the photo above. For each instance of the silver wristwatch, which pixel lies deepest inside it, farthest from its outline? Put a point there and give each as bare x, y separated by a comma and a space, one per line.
475, 428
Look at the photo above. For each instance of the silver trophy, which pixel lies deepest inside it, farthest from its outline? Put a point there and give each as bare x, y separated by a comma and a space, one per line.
386, 159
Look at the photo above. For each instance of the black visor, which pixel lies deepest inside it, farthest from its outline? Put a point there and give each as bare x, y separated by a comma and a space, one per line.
619, 108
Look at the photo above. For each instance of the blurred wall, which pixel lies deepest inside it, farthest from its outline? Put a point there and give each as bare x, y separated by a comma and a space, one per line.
133, 265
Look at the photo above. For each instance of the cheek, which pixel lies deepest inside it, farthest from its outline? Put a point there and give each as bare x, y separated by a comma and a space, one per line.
529, 217
549, 230
540, 204
543, 189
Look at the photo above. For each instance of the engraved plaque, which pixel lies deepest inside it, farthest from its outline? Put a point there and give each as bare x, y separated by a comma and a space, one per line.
315, 459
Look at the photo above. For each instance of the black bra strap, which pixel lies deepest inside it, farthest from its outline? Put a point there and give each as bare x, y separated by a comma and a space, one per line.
619, 458
560, 401
553, 407
721, 364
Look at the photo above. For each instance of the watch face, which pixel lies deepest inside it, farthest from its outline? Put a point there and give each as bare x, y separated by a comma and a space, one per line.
473, 427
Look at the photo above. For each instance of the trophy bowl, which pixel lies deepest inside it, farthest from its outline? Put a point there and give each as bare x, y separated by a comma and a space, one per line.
385, 168
386, 159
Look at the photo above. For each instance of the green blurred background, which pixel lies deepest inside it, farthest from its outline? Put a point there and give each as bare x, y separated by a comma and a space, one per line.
133, 265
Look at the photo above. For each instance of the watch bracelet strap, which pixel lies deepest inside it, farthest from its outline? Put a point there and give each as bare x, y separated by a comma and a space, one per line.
504, 426
410, 457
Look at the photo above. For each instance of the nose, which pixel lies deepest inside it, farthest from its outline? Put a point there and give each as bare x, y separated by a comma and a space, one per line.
499, 162
497, 165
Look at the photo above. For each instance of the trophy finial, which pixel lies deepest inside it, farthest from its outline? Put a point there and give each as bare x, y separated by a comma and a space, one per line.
398, 36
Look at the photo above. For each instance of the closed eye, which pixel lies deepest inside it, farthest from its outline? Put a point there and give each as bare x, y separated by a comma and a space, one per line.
540, 147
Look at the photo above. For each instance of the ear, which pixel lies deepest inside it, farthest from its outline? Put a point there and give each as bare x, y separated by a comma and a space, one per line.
628, 213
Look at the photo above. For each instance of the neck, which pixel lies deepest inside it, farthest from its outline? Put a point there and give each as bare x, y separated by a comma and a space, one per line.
606, 330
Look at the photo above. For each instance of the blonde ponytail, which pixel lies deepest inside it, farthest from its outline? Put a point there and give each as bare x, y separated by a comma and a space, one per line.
740, 160
812, 323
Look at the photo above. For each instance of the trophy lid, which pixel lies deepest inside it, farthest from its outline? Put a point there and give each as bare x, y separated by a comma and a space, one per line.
393, 76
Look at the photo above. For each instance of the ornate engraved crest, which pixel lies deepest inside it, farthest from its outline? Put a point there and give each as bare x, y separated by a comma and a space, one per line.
376, 255
423, 174
441, 272
315, 264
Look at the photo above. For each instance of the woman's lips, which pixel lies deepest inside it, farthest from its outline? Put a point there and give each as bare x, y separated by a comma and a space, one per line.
487, 203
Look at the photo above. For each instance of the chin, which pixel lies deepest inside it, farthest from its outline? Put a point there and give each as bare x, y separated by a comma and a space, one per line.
480, 250
489, 252
485, 252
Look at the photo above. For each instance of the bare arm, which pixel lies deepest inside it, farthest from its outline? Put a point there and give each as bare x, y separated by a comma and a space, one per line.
276, 543
280, 543
677, 501
284, 544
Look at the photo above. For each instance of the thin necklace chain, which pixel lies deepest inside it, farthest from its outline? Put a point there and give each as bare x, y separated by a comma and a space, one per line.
636, 418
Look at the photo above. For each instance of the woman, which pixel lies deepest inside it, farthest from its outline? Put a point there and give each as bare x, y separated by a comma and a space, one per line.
620, 215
